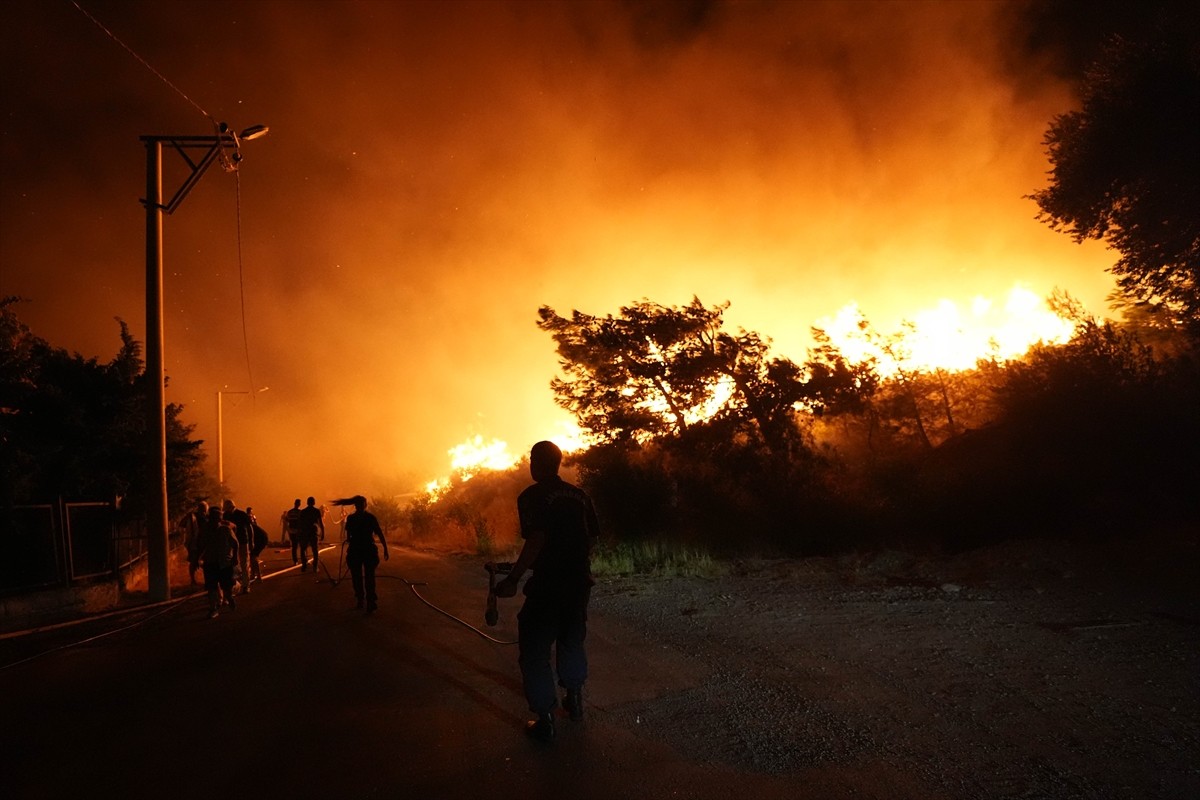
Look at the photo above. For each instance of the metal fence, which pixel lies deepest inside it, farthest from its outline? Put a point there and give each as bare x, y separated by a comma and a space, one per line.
63, 543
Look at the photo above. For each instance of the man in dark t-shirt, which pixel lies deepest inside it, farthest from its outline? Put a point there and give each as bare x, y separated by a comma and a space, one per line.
310, 523
559, 526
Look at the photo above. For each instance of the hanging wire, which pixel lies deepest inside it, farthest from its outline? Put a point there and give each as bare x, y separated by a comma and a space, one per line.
143, 61
237, 176
223, 133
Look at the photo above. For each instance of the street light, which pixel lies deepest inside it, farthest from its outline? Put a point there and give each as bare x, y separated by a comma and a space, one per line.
220, 440
224, 145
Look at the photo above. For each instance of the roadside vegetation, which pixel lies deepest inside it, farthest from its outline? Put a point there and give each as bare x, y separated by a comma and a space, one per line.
74, 428
1092, 437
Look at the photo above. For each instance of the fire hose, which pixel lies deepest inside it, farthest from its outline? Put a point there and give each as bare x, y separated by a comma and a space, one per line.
491, 615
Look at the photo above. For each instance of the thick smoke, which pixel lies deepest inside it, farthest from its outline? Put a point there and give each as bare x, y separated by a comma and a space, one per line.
435, 172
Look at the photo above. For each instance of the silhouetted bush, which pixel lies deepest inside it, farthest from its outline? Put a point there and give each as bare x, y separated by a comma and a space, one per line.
1092, 437
1081, 439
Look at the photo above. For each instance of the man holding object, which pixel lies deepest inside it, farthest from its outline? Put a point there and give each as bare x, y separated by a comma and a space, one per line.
559, 526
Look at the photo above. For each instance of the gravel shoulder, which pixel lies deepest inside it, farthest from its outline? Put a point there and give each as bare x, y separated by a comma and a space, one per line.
1029, 669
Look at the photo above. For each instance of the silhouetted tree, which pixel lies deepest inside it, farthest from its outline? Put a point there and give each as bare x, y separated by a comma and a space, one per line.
911, 403
766, 391
1125, 166
74, 427
656, 370
638, 375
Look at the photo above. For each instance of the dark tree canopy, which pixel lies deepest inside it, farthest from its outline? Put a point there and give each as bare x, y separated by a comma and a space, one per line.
74, 427
660, 371
1126, 166
641, 374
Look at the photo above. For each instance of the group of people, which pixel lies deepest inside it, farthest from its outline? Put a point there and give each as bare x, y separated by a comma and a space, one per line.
305, 529
225, 544
557, 523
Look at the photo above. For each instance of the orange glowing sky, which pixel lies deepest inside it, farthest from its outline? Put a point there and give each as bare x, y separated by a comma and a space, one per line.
437, 171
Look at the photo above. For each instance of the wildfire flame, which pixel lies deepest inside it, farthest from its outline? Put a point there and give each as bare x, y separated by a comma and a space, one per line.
945, 337
476, 455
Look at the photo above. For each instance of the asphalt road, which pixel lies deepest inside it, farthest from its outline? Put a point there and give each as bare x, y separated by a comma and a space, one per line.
296, 694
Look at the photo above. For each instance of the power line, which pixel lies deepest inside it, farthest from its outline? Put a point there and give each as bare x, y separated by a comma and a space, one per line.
242, 284
230, 165
143, 61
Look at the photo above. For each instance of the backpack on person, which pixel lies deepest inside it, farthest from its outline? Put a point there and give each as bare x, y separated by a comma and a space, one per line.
220, 547
261, 539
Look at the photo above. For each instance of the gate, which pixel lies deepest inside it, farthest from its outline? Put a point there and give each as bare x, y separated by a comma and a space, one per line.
58, 544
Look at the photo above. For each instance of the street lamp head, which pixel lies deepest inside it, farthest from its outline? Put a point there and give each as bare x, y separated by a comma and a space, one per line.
254, 132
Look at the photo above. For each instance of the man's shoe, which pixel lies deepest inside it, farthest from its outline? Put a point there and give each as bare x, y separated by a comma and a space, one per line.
213, 613
573, 703
541, 729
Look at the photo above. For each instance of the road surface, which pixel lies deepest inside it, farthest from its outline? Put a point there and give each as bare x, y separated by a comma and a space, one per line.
296, 694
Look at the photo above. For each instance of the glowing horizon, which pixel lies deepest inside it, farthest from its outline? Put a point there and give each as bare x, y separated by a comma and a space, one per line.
941, 337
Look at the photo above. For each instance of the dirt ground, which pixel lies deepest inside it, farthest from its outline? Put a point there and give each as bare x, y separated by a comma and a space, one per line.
1033, 670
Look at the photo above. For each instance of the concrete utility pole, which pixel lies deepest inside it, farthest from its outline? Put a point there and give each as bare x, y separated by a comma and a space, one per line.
225, 146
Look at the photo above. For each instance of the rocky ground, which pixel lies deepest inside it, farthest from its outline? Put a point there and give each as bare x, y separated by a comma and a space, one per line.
1033, 669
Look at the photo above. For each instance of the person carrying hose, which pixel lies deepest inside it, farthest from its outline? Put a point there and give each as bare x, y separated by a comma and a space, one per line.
559, 526
362, 557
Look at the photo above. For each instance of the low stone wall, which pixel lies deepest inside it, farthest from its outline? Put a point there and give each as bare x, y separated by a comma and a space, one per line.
48, 606
62, 603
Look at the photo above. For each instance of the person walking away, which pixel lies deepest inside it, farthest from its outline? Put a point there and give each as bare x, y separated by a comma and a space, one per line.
311, 525
244, 531
291, 529
258, 542
217, 554
193, 525
559, 526
362, 557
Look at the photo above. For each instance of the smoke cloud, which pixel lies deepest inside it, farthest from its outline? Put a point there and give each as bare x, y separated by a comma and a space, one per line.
437, 171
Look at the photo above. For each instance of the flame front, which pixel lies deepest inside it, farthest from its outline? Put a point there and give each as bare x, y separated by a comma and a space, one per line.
944, 337
475, 455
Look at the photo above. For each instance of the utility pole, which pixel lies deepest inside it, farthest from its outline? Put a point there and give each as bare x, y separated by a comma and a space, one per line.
225, 146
